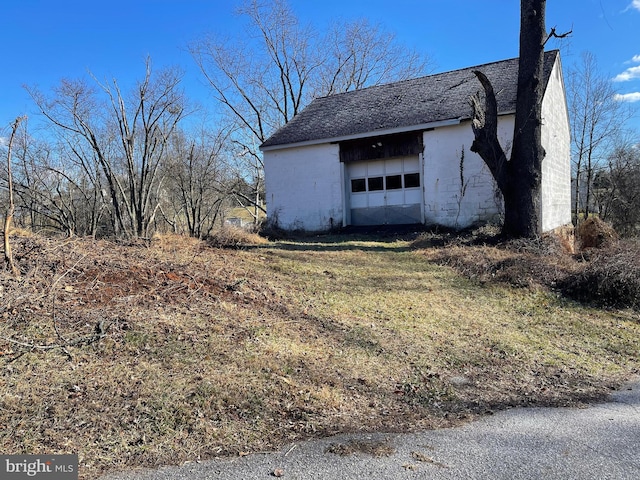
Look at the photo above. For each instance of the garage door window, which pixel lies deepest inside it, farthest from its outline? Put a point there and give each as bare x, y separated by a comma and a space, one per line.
358, 185
411, 180
375, 184
390, 182
394, 182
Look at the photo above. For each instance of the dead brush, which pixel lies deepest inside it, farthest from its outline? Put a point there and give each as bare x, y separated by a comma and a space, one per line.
541, 262
610, 276
234, 237
605, 273
173, 242
595, 233
37, 308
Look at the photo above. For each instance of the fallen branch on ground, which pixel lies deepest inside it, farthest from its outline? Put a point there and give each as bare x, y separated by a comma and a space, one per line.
99, 333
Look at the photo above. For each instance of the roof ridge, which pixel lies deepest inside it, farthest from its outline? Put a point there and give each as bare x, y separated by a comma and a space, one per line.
422, 77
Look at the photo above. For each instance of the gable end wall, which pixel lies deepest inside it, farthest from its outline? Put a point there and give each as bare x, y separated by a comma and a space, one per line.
556, 166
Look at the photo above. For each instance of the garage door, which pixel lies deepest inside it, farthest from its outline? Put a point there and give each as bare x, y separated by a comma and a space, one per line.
385, 192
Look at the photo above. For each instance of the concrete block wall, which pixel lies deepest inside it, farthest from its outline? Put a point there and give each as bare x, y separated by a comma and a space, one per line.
304, 188
445, 203
556, 166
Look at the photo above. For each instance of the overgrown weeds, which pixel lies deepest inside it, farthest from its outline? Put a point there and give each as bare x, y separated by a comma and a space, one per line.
234, 237
609, 276
604, 272
214, 351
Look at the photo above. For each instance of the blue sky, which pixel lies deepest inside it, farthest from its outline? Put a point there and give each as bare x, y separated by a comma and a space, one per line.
43, 41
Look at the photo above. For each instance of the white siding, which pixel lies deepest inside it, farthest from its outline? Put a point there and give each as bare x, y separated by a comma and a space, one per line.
556, 166
304, 188
445, 202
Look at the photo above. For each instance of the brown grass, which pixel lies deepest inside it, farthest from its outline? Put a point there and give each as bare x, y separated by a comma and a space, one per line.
209, 352
234, 237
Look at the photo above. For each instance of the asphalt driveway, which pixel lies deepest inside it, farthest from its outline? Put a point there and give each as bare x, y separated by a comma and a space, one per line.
599, 442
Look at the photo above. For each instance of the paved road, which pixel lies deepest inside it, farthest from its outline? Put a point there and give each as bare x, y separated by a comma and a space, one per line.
600, 442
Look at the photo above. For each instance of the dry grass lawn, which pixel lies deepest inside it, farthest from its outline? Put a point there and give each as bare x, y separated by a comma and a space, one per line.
148, 354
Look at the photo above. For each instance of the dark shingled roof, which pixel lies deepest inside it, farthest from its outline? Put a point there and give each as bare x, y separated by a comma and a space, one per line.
400, 105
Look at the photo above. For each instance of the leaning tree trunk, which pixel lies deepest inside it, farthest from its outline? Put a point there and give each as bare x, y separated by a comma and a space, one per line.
8, 256
522, 193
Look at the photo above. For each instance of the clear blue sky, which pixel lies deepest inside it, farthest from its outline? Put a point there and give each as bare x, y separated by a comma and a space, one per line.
43, 41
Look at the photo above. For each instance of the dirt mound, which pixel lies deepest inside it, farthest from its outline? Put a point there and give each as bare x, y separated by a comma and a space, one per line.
595, 233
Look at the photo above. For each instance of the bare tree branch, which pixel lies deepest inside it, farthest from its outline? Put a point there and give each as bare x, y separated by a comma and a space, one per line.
554, 34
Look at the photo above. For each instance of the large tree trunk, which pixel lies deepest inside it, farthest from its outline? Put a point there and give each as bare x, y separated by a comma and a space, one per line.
519, 179
522, 194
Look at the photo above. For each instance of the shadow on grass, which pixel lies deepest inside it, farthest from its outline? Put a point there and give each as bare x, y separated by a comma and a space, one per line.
382, 238
386, 238
334, 246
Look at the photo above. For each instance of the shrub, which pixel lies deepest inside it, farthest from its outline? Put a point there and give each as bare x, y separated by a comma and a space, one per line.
595, 233
611, 277
234, 237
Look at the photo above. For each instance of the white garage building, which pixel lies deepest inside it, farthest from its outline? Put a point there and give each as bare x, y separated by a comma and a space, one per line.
399, 154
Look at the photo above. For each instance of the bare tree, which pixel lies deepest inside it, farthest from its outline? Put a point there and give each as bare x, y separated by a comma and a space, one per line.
78, 113
8, 257
144, 127
358, 55
262, 82
596, 120
25, 174
199, 183
124, 138
53, 191
617, 188
518, 178
265, 78
265, 82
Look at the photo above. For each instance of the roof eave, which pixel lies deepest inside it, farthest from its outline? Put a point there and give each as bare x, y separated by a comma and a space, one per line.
374, 133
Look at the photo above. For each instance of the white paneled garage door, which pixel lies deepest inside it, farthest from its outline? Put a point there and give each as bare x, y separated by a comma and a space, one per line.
385, 192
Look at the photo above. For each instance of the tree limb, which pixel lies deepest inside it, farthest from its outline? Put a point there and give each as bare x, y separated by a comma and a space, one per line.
100, 332
554, 34
485, 129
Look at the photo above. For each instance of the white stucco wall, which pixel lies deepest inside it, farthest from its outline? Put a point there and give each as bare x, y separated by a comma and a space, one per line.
556, 166
445, 202
303, 187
